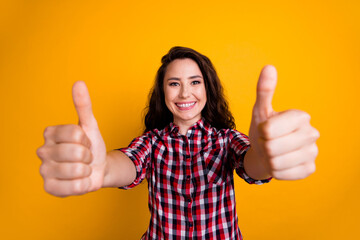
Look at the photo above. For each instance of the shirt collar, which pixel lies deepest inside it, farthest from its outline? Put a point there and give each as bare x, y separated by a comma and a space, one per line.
202, 124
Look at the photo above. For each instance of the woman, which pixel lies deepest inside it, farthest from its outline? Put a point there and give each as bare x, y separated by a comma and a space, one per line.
187, 153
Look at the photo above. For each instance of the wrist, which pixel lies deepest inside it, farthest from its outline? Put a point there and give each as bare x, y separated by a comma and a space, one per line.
255, 165
106, 174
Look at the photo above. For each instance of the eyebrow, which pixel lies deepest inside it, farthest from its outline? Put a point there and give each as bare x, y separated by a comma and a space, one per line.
192, 77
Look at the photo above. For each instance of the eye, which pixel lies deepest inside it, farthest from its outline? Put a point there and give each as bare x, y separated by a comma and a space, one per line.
174, 84
195, 82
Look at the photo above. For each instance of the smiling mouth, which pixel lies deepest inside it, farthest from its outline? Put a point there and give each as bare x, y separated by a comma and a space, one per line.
185, 106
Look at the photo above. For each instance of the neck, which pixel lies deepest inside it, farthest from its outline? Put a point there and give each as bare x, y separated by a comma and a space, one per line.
184, 125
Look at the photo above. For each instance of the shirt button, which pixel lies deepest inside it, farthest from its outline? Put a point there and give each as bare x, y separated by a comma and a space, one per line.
190, 224
189, 200
187, 177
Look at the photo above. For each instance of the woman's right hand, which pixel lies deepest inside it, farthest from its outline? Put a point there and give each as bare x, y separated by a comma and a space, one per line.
74, 156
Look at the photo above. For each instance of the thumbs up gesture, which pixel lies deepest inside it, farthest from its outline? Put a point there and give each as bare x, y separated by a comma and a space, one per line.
73, 156
282, 142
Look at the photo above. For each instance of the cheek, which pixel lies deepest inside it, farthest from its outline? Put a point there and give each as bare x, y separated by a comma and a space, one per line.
168, 98
166, 93
167, 103
170, 94
202, 94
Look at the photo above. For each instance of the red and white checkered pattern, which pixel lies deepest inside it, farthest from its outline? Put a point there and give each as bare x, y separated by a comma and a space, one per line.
190, 180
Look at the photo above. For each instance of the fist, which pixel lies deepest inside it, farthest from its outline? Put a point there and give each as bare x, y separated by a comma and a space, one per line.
73, 156
285, 141
66, 159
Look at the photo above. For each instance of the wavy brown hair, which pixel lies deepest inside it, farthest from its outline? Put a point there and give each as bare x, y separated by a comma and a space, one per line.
216, 110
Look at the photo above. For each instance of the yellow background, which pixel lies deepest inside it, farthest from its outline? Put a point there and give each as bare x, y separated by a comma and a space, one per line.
116, 46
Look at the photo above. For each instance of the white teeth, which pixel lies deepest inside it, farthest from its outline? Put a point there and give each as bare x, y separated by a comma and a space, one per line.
185, 104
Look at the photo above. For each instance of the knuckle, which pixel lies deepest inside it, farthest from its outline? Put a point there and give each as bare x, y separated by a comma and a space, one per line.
304, 115
43, 170
78, 170
310, 168
316, 133
48, 131
314, 150
313, 133
41, 152
79, 153
54, 188
77, 133
77, 187
48, 187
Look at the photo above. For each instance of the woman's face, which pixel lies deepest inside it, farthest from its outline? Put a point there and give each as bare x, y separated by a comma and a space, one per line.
184, 88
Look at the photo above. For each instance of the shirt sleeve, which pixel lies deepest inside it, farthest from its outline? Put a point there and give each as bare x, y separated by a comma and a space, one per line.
238, 146
139, 151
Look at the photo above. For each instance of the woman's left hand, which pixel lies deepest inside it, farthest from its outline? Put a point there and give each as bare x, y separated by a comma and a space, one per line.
284, 141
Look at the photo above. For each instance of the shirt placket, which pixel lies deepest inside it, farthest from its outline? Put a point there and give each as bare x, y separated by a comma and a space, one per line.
189, 199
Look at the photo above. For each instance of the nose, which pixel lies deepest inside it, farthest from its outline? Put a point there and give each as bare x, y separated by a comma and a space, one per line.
184, 91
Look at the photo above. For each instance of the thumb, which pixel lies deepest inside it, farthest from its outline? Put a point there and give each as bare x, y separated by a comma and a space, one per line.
264, 92
82, 104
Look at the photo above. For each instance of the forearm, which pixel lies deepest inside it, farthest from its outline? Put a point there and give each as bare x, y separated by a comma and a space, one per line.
120, 170
255, 166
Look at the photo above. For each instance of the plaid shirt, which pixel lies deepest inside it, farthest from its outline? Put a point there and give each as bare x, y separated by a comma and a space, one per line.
190, 180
